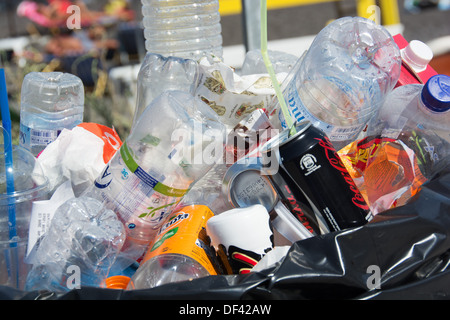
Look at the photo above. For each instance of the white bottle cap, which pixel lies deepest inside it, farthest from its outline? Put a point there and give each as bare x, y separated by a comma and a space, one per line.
417, 55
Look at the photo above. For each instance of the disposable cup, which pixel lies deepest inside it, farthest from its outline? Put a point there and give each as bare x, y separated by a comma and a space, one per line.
30, 185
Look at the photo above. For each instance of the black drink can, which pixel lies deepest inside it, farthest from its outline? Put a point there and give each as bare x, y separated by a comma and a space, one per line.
311, 172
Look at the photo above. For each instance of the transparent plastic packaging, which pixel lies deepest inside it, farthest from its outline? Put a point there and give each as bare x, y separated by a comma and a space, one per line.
182, 28
50, 102
343, 78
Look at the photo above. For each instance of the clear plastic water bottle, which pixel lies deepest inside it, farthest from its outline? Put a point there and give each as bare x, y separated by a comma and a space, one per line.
182, 28
174, 143
158, 74
343, 78
254, 63
208, 191
419, 116
78, 249
50, 102
180, 251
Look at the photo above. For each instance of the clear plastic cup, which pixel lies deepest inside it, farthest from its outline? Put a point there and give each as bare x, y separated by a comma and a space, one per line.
30, 185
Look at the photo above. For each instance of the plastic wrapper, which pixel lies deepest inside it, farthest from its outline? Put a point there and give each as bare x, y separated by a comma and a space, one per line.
409, 245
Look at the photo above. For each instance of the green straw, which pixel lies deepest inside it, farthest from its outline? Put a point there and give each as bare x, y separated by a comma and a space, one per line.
265, 55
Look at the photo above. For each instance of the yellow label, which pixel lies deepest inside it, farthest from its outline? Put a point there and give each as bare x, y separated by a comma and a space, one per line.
184, 233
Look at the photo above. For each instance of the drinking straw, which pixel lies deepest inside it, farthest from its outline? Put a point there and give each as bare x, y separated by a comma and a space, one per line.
269, 67
6, 123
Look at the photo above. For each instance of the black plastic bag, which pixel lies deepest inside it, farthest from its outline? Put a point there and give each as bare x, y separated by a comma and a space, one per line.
404, 253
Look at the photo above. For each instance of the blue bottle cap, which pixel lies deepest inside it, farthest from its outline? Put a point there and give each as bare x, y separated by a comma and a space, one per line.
436, 93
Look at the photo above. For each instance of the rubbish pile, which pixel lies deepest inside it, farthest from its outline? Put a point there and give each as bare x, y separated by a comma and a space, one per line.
218, 176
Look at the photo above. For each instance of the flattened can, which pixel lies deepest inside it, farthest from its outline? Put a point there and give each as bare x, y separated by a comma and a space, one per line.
309, 164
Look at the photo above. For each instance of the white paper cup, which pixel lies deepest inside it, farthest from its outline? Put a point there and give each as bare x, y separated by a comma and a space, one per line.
241, 237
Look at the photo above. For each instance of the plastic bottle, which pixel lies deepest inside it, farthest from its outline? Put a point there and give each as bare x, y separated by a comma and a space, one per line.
173, 144
50, 102
158, 74
78, 249
343, 78
180, 251
254, 63
419, 116
182, 28
405, 146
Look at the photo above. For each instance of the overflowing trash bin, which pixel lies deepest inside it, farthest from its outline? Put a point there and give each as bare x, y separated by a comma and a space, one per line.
333, 186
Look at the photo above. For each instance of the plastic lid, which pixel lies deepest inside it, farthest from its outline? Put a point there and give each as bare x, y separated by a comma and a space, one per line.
117, 282
436, 93
30, 182
417, 55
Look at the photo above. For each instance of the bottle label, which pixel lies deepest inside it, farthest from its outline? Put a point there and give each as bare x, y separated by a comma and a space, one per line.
299, 113
138, 194
147, 178
30, 137
184, 233
387, 171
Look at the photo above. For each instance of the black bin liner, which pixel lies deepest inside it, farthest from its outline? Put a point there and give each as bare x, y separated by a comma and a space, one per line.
409, 246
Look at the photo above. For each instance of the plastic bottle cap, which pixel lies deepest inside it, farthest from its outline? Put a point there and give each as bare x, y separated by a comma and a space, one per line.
417, 55
436, 93
117, 282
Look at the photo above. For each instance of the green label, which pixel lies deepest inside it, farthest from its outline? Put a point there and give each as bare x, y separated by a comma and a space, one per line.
145, 177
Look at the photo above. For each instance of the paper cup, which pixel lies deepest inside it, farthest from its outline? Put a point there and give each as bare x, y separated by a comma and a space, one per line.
241, 237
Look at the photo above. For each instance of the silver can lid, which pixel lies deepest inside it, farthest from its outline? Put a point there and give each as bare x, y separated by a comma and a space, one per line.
244, 185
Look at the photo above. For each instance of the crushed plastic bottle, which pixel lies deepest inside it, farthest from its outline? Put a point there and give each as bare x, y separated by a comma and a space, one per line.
343, 78
419, 116
158, 74
188, 29
78, 249
174, 143
50, 102
254, 64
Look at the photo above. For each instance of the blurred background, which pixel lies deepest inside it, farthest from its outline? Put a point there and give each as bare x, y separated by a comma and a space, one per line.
106, 52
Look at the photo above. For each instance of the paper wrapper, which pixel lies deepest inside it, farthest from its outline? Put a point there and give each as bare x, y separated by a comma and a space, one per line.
231, 96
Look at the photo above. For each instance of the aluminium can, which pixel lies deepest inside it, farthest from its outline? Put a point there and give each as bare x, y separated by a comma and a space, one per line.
310, 166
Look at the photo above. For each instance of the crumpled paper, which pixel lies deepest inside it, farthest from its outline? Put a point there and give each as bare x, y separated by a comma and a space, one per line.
78, 155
